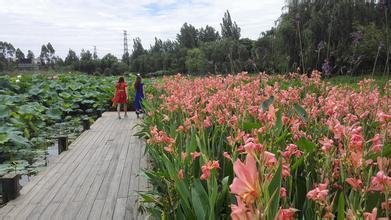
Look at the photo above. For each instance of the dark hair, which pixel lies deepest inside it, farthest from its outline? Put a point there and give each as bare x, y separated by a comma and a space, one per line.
137, 83
121, 79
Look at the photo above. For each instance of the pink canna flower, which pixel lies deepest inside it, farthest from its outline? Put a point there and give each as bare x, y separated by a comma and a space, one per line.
269, 159
286, 214
350, 215
386, 205
227, 155
329, 213
183, 156
327, 144
383, 117
180, 174
282, 192
356, 141
376, 144
380, 182
195, 154
355, 183
246, 183
233, 120
180, 128
290, 150
251, 147
356, 158
285, 170
383, 163
370, 215
319, 194
210, 165
169, 148
207, 122
240, 211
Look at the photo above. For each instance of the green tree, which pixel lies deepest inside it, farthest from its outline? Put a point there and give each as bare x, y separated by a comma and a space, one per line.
71, 58
195, 61
44, 56
208, 34
19, 55
137, 58
188, 36
30, 55
229, 29
108, 61
86, 62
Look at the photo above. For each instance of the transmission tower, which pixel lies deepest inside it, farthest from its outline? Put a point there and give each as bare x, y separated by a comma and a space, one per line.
95, 54
125, 43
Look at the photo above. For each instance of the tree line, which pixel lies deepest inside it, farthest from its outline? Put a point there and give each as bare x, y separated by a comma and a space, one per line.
351, 36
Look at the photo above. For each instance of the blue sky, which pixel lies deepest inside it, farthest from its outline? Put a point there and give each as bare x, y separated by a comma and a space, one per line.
79, 24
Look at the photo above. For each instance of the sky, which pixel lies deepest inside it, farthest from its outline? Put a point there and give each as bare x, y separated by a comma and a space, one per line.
83, 24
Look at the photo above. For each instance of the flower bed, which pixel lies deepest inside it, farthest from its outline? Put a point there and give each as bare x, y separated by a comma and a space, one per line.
261, 147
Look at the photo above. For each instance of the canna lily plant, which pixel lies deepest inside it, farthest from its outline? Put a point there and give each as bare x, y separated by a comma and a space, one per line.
267, 147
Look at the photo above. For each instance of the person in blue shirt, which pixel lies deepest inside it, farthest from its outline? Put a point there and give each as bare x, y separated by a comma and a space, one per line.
138, 87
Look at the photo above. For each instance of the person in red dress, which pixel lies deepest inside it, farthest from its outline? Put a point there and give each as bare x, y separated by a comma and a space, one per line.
121, 96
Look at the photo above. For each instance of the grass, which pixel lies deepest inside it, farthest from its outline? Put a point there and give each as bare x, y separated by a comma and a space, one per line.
381, 80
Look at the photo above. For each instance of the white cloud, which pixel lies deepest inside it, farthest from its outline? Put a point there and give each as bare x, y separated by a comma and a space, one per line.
86, 23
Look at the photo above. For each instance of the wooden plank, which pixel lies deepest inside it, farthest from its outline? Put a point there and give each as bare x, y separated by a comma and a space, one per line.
131, 208
48, 197
70, 211
119, 212
96, 178
111, 197
49, 210
82, 192
38, 183
94, 189
110, 172
96, 209
25, 213
60, 157
69, 192
123, 191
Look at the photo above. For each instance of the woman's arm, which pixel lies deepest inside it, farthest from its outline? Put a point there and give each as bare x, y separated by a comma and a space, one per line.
126, 91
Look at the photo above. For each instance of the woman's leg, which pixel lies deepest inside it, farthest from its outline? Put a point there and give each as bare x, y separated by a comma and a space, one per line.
118, 110
126, 110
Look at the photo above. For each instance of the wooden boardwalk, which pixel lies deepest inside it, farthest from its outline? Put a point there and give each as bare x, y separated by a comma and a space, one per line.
97, 178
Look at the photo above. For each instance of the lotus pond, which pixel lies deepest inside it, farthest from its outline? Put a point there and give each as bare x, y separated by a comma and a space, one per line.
34, 109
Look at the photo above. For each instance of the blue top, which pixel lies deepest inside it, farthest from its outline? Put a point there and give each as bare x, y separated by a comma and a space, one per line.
139, 96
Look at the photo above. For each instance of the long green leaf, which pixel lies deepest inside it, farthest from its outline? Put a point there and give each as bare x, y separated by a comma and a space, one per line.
265, 105
199, 200
274, 189
301, 112
341, 206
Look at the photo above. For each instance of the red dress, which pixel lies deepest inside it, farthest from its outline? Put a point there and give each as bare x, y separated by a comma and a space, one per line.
120, 93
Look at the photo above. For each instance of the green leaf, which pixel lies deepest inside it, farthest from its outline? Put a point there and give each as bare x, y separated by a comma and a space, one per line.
306, 145
4, 138
274, 191
199, 200
341, 206
4, 112
248, 126
297, 164
265, 105
19, 140
278, 125
54, 113
301, 112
